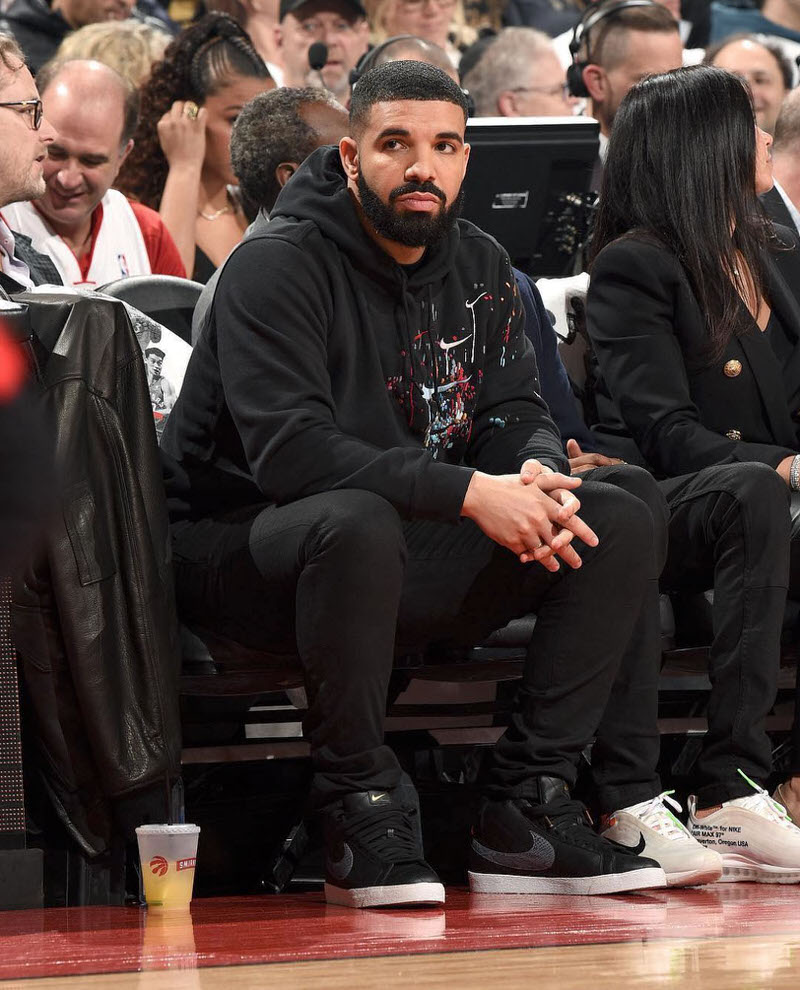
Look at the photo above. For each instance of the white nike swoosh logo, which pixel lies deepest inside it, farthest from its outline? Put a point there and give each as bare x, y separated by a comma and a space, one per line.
455, 343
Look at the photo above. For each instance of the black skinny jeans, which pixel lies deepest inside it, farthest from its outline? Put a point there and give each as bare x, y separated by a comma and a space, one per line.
342, 579
729, 529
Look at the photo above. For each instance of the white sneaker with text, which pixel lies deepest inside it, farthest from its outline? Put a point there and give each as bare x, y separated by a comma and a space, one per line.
755, 837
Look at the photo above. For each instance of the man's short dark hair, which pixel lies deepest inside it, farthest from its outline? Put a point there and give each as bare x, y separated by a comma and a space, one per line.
604, 44
270, 130
402, 80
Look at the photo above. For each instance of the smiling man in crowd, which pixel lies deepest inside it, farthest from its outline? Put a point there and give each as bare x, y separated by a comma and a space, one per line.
24, 139
92, 233
359, 460
341, 25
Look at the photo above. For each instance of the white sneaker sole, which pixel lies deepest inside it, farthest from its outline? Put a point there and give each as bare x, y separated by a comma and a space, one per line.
404, 893
694, 878
611, 883
739, 869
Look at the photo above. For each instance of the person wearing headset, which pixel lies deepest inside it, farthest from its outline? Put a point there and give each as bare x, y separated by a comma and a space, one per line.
617, 43
404, 47
340, 26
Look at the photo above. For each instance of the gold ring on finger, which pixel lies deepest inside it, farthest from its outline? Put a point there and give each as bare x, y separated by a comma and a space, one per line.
191, 109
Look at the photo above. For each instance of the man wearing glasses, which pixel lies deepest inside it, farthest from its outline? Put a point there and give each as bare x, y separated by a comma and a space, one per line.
91, 232
24, 137
519, 75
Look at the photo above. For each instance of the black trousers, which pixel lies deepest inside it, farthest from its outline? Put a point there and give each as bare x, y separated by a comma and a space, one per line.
342, 579
729, 529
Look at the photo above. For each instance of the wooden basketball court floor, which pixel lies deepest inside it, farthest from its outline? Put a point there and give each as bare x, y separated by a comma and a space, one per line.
720, 936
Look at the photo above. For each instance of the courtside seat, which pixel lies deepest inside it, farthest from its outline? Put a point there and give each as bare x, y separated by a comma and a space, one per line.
167, 299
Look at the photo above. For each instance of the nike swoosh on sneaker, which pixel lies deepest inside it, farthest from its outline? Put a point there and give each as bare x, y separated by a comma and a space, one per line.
540, 856
375, 797
636, 850
339, 869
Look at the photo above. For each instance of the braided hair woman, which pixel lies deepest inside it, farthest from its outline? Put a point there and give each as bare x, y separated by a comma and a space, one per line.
180, 164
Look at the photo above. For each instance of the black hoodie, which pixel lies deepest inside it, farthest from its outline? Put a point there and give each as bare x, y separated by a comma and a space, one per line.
326, 365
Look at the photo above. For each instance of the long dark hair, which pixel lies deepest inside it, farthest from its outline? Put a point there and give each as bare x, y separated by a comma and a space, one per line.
681, 168
199, 62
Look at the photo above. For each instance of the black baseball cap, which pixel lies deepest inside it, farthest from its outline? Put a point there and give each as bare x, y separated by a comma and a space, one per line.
292, 6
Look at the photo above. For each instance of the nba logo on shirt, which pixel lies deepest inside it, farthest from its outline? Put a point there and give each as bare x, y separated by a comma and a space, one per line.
123, 265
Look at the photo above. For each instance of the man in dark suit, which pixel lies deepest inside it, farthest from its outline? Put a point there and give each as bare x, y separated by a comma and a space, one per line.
782, 202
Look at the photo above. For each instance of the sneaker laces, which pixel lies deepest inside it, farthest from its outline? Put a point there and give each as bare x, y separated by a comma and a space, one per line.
762, 803
388, 833
657, 816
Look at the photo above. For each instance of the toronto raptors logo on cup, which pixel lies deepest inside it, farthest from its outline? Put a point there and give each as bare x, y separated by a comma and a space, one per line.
159, 865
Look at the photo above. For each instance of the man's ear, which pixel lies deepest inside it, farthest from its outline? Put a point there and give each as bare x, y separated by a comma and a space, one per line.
285, 171
506, 104
123, 155
348, 152
594, 78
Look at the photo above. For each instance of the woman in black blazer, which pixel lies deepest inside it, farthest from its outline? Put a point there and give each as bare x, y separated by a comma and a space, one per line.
695, 332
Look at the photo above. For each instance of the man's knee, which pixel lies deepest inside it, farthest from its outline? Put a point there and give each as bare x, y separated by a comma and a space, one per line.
361, 524
639, 482
618, 517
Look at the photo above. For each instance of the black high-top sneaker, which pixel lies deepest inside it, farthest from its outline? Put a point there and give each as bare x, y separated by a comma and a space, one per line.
373, 856
549, 847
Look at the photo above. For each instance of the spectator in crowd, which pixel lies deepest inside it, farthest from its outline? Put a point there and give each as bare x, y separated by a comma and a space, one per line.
692, 53
272, 137
617, 50
698, 384
180, 163
519, 75
782, 202
776, 19
621, 49
40, 27
26, 481
92, 233
439, 21
347, 479
763, 66
130, 47
24, 137
339, 24
406, 47
260, 19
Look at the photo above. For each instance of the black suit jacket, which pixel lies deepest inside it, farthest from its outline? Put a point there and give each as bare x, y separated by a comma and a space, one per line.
777, 210
661, 400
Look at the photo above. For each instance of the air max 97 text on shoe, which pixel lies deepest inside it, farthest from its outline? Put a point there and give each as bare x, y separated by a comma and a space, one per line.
651, 829
754, 836
373, 856
521, 848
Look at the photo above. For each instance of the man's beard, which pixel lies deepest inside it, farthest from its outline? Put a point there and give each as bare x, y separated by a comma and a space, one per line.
411, 229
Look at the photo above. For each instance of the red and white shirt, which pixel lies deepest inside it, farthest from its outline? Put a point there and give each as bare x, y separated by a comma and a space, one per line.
126, 239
